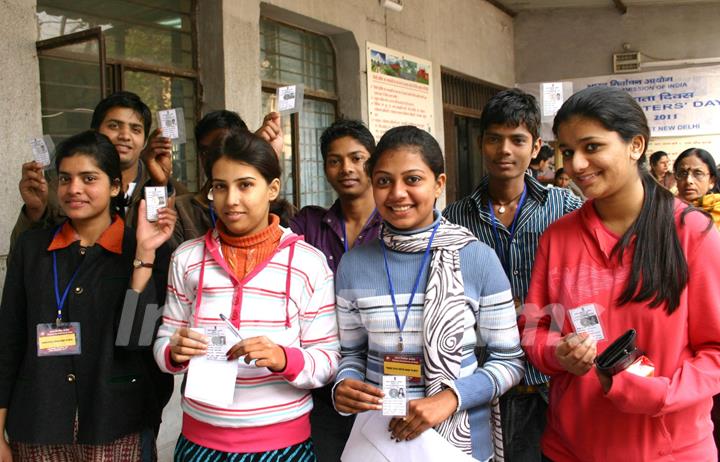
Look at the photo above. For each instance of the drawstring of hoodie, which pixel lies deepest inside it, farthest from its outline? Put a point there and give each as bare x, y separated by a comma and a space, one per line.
212, 248
288, 277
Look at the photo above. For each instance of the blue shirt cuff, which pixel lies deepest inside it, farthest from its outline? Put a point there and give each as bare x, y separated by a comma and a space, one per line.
474, 390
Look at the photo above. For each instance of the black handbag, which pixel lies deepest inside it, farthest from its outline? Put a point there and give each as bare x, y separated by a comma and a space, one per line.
619, 355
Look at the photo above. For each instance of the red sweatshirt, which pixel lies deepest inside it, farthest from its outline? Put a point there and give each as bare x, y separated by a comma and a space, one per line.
661, 418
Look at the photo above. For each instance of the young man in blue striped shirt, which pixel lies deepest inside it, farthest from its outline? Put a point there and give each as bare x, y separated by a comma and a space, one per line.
509, 211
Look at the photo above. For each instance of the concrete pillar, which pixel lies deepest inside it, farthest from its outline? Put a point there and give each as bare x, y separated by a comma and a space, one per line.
20, 121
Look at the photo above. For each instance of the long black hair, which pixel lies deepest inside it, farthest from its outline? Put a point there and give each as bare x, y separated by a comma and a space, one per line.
659, 270
100, 149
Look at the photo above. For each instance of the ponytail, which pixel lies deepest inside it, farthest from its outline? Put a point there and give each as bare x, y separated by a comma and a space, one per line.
659, 271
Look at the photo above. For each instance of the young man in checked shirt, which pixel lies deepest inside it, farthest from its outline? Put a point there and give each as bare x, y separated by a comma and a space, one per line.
509, 211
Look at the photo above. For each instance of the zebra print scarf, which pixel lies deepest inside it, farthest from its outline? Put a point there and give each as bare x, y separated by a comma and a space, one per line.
443, 318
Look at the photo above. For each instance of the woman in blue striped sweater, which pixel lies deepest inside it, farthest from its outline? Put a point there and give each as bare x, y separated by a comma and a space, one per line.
418, 302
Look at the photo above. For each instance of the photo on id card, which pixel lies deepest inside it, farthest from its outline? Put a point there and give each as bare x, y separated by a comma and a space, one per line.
395, 399
586, 319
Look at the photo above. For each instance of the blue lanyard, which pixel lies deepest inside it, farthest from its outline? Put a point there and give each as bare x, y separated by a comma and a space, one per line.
61, 300
426, 256
499, 247
342, 224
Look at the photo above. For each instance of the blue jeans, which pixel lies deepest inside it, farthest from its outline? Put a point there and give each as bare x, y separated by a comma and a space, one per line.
523, 422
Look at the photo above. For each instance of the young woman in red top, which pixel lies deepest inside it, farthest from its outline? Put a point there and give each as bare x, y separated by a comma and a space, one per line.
632, 257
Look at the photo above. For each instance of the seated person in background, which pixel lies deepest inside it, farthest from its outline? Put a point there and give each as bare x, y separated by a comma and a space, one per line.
660, 169
351, 221
195, 217
540, 163
696, 176
125, 120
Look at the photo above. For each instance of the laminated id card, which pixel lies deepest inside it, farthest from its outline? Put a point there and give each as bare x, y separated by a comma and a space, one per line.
585, 318
172, 124
220, 342
42, 147
290, 98
58, 339
155, 199
395, 399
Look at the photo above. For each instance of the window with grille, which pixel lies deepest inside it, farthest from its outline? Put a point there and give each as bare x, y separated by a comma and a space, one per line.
288, 56
89, 49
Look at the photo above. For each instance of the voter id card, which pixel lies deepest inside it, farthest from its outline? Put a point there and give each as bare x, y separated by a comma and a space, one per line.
395, 400
219, 342
585, 318
42, 147
289, 99
155, 199
58, 339
172, 124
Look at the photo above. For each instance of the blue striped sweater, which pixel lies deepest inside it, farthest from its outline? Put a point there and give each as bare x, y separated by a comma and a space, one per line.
368, 329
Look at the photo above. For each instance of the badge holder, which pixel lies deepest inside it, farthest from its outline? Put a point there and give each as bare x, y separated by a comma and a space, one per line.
409, 366
58, 339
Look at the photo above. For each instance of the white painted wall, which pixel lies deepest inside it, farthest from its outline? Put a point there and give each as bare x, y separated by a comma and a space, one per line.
563, 44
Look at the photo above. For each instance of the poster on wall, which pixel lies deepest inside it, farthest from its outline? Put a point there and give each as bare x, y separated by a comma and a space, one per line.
399, 90
677, 102
675, 145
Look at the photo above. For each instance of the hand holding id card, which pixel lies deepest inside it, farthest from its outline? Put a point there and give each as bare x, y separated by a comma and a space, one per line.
585, 319
172, 124
42, 148
395, 402
289, 99
155, 199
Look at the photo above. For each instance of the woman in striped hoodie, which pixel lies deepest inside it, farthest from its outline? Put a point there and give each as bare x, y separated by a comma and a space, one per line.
276, 290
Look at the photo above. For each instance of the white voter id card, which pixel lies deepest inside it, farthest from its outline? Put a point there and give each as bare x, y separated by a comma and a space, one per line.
290, 99
395, 400
585, 318
220, 341
42, 147
155, 199
172, 124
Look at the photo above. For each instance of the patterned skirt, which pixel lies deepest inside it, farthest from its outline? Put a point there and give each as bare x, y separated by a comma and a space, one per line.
187, 451
129, 448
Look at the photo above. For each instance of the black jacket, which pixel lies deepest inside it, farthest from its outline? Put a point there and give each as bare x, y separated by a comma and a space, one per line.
116, 390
